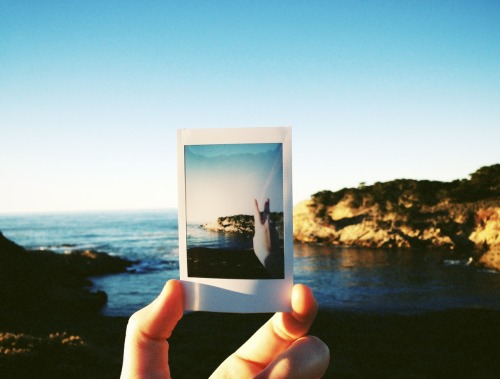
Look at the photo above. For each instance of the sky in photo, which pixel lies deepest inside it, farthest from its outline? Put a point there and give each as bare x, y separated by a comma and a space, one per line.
225, 180
92, 92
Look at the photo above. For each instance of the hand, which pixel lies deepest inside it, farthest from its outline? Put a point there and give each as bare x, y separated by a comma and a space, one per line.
146, 349
266, 242
277, 349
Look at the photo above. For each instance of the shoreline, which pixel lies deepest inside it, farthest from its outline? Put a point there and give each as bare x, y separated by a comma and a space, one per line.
67, 336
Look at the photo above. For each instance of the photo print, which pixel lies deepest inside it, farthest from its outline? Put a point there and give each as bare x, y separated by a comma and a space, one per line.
230, 192
235, 247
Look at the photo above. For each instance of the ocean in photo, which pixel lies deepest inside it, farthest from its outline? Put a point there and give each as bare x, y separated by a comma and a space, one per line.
362, 280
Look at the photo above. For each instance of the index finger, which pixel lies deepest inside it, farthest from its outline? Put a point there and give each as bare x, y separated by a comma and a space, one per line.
256, 212
281, 330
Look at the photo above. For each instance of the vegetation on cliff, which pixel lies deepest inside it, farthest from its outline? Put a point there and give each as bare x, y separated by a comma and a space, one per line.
458, 215
405, 195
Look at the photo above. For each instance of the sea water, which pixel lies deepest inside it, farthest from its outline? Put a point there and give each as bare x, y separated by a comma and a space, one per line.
351, 279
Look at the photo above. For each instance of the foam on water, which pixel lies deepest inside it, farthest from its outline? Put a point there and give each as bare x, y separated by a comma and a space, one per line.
341, 278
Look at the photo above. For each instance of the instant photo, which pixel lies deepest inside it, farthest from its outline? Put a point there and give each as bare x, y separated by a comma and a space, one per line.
235, 220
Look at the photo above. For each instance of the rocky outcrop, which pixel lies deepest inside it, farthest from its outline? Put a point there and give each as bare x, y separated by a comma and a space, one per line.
45, 280
486, 235
372, 228
487, 227
242, 224
239, 224
461, 216
491, 258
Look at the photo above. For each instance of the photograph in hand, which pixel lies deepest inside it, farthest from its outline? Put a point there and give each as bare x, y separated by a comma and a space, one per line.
235, 214
228, 234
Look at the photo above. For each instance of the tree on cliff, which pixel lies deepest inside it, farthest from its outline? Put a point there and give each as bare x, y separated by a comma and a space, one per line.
403, 213
484, 184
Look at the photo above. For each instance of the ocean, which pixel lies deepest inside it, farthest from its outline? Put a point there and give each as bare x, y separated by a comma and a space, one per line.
351, 279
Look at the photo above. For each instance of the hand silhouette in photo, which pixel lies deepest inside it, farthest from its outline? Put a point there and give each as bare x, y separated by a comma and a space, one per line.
266, 243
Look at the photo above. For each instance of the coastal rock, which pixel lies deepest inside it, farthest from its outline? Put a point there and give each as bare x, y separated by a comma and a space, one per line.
462, 215
487, 235
43, 279
242, 224
238, 224
491, 258
94, 263
308, 228
487, 227
428, 228
357, 229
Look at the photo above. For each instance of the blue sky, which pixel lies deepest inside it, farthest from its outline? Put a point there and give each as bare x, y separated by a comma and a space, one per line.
225, 180
92, 92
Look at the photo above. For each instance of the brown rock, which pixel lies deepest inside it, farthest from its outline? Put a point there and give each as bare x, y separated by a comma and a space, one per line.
491, 259
36, 280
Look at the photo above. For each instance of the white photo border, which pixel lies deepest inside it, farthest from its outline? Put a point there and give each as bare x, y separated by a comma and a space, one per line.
237, 295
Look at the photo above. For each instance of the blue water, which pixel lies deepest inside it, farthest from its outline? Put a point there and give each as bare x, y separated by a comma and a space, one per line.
341, 278
200, 237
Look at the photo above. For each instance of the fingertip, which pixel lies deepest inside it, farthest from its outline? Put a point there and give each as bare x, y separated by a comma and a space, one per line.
304, 303
173, 285
173, 289
170, 287
256, 209
320, 349
311, 357
306, 357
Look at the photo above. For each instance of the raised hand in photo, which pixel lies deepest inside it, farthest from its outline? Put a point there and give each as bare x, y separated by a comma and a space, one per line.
266, 243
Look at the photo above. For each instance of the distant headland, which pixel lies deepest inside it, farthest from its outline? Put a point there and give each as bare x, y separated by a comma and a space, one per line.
462, 215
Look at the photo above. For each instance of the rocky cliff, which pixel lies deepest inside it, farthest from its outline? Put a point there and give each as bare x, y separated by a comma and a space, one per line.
463, 215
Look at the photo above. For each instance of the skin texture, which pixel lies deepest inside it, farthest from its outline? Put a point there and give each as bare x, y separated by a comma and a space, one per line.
266, 241
281, 348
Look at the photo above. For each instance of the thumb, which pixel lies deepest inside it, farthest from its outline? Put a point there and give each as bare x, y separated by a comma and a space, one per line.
146, 349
